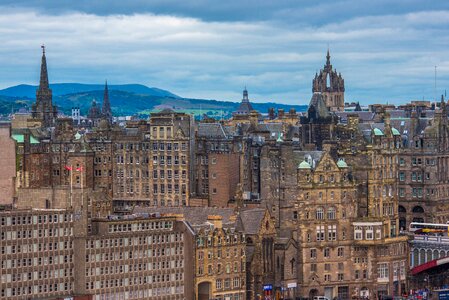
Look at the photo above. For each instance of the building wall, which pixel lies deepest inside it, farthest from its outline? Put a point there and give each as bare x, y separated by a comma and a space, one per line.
8, 163
220, 264
37, 254
223, 177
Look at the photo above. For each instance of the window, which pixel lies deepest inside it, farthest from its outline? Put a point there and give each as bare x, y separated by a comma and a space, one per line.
331, 213
332, 232
218, 284
369, 233
327, 252
320, 233
340, 251
358, 232
382, 271
320, 213
313, 253
340, 276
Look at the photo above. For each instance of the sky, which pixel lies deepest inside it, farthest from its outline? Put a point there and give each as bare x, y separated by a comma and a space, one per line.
386, 50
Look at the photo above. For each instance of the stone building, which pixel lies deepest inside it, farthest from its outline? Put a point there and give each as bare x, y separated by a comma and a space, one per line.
331, 85
220, 257
217, 165
260, 234
423, 166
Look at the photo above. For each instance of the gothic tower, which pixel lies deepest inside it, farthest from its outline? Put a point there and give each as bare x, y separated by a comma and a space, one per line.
106, 108
331, 85
44, 109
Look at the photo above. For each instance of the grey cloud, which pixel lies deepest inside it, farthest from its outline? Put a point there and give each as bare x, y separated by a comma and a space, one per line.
382, 57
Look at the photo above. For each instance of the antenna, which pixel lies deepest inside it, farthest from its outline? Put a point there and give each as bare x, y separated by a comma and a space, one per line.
435, 87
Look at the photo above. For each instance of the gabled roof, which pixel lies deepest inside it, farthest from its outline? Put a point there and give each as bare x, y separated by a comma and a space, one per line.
318, 106
250, 221
215, 130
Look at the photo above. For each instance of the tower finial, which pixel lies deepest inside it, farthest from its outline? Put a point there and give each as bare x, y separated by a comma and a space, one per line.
43, 49
245, 95
328, 56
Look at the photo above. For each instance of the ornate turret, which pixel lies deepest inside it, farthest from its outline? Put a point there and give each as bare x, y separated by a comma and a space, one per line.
245, 106
106, 108
331, 85
43, 109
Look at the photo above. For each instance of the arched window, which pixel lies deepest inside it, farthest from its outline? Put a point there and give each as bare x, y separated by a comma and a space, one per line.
319, 213
47, 204
418, 209
331, 213
402, 209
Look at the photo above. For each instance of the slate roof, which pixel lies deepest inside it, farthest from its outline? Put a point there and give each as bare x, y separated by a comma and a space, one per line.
193, 215
364, 116
317, 103
213, 130
300, 156
250, 220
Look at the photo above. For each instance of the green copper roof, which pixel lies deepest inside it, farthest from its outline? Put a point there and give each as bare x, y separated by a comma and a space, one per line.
377, 131
77, 136
33, 140
394, 131
279, 139
20, 138
342, 164
304, 165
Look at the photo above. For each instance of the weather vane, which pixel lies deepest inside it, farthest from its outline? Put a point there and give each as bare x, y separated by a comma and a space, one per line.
43, 48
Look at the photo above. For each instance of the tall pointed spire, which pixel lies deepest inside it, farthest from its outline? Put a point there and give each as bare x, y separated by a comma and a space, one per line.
328, 57
43, 109
106, 108
43, 83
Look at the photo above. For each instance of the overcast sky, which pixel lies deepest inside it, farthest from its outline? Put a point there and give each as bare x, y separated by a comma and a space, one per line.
386, 50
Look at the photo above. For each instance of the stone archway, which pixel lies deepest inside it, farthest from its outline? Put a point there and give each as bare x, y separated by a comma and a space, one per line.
313, 293
204, 290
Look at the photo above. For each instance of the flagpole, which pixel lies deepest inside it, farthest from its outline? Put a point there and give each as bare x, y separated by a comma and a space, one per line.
82, 188
71, 184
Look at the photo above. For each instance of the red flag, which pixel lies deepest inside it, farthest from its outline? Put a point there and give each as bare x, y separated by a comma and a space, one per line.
68, 168
79, 169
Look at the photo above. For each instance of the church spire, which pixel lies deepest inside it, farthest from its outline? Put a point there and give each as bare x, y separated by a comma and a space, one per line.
106, 107
43, 83
245, 95
328, 58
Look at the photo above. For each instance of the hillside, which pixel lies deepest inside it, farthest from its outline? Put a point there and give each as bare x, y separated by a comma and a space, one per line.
59, 89
130, 99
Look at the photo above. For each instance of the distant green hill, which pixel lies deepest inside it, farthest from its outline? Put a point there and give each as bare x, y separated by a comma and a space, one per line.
9, 104
59, 89
130, 99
